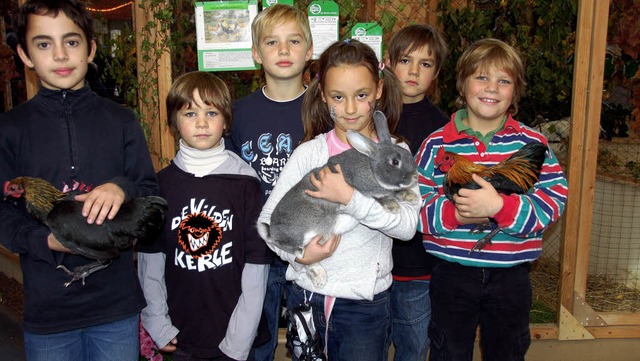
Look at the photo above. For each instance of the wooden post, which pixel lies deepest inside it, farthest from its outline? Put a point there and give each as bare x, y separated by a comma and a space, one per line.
31, 79
367, 12
432, 16
8, 101
161, 142
591, 36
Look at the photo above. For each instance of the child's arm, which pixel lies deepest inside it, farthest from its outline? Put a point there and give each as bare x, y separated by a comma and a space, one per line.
399, 224
299, 164
243, 325
137, 179
155, 317
331, 186
480, 203
517, 215
55, 245
524, 214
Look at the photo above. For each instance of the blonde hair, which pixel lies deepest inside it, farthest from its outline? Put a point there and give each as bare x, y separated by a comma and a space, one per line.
212, 90
278, 14
488, 54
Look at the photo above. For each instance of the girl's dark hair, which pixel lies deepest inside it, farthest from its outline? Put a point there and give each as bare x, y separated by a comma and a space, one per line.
212, 90
74, 10
315, 114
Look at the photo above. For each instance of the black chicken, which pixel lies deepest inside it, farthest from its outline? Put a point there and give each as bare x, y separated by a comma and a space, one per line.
516, 174
140, 219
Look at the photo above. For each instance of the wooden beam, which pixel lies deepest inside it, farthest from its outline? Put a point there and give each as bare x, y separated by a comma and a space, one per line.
612, 331
432, 15
585, 126
621, 318
8, 97
154, 67
31, 79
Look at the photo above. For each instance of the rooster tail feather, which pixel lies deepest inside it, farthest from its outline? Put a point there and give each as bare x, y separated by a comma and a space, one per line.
523, 167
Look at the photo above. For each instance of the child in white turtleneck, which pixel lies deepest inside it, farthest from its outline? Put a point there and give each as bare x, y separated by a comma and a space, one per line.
205, 279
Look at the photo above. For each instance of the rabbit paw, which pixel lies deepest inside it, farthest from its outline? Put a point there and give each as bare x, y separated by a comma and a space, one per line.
389, 203
317, 274
407, 195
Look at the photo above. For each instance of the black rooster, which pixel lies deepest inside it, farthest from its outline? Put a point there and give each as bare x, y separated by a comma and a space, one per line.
140, 219
516, 174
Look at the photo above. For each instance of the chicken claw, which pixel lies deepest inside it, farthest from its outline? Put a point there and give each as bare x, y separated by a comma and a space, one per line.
484, 241
82, 272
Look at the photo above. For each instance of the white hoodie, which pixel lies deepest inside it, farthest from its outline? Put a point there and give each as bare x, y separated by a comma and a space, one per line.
360, 267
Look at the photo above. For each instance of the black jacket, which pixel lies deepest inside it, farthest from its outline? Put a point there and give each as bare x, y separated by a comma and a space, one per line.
417, 122
75, 140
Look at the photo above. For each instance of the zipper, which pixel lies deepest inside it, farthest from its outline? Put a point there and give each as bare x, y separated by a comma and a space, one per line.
67, 118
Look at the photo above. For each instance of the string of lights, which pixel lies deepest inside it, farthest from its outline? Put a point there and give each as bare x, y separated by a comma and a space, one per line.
110, 9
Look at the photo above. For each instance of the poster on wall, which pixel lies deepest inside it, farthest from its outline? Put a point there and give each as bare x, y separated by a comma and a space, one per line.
223, 30
267, 3
370, 34
323, 20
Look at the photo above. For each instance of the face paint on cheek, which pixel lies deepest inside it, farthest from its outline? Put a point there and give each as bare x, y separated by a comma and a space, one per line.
332, 113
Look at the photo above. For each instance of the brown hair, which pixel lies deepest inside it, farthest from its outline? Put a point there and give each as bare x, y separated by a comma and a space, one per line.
315, 114
488, 54
413, 37
74, 10
212, 90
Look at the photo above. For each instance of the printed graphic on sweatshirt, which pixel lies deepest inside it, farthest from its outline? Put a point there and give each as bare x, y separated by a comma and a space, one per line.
199, 229
77, 187
199, 235
268, 155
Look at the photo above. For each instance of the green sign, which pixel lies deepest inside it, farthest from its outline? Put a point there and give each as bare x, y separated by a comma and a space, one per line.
323, 20
223, 31
267, 3
370, 34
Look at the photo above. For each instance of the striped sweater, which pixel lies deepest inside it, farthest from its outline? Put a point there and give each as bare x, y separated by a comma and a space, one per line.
523, 218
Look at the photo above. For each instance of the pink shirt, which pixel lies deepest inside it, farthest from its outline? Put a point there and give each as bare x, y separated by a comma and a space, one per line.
335, 145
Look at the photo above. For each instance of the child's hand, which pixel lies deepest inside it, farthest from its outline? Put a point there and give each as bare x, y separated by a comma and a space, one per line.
101, 203
470, 220
171, 346
55, 245
331, 186
315, 252
478, 203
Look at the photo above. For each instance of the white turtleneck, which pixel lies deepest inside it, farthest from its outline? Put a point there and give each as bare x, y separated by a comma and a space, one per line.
200, 162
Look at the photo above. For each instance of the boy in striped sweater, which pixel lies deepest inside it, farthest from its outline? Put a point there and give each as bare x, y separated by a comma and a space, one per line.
491, 288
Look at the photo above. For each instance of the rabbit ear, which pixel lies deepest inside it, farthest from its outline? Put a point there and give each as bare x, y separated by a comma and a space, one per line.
361, 143
382, 127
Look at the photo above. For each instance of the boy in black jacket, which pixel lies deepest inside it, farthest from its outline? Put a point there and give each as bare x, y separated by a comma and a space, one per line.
77, 141
415, 55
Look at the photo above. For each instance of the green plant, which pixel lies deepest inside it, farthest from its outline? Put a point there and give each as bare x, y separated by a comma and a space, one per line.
633, 168
543, 31
118, 57
607, 161
623, 62
542, 313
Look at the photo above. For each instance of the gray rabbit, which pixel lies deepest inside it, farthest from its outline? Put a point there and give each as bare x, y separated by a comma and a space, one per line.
384, 171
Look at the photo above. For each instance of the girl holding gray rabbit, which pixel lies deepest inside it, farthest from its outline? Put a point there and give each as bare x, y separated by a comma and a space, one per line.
353, 299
